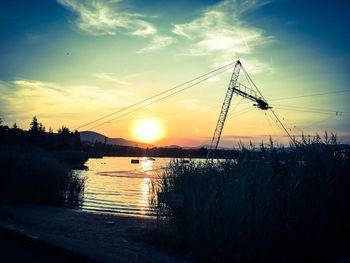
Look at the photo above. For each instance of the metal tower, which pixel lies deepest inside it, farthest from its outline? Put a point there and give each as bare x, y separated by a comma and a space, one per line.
241, 90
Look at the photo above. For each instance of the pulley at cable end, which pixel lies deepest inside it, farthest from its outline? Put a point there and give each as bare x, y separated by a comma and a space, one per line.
261, 104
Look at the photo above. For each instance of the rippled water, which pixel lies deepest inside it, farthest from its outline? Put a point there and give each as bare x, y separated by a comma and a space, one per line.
114, 185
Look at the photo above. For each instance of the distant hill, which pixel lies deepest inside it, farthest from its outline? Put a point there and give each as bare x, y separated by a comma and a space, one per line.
172, 146
207, 146
90, 136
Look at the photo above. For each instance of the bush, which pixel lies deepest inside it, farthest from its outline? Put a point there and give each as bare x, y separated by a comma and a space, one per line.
32, 175
267, 205
74, 159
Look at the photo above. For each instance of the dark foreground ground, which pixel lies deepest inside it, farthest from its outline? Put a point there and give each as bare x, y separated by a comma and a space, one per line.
17, 248
46, 234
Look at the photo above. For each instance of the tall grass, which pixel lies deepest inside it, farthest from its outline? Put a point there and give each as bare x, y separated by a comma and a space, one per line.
267, 205
31, 175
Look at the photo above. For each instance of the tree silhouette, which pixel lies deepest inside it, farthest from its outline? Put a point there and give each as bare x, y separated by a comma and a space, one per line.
34, 125
64, 139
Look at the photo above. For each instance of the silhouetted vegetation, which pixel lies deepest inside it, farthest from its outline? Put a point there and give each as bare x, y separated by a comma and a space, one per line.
268, 204
99, 148
32, 175
64, 139
35, 165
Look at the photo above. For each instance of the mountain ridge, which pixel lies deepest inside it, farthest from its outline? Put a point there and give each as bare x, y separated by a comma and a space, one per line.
92, 137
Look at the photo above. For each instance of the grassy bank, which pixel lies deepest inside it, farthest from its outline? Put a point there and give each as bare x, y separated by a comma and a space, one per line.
266, 205
31, 175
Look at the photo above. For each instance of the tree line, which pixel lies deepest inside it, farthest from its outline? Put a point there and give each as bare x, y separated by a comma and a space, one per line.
63, 139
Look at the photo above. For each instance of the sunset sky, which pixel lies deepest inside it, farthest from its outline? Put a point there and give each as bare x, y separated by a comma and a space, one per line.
70, 62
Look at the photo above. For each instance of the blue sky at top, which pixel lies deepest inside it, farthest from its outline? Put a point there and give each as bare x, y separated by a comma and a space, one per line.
111, 53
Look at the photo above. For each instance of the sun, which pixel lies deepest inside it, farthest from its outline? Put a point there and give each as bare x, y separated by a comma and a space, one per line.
148, 130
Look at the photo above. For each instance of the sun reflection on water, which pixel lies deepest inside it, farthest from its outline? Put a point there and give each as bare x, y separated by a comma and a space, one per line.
115, 185
144, 195
147, 166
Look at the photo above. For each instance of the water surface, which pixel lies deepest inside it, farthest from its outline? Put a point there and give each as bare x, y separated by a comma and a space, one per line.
114, 185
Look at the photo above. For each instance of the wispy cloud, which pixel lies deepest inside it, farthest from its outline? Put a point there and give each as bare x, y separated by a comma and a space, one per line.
32, 39
255, 66
157, 43
221, 31
107, 18
110, 18
22, 99
193, 105
110, 77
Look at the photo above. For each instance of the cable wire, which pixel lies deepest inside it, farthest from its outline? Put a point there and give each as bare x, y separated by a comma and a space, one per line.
157, 95
311, 95
273, 112
158, 100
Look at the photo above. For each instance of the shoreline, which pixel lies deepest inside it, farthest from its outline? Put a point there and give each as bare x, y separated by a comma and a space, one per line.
34, 250
99, 237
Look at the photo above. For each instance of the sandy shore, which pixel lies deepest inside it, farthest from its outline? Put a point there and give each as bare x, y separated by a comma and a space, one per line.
105, 238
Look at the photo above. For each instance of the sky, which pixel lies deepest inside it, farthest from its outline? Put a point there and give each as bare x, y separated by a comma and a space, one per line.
70, 62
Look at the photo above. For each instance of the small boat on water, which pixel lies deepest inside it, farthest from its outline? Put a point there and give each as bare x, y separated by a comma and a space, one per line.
144, 159
149, 159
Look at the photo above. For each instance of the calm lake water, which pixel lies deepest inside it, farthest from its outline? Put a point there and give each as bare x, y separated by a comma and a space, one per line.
114, 185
